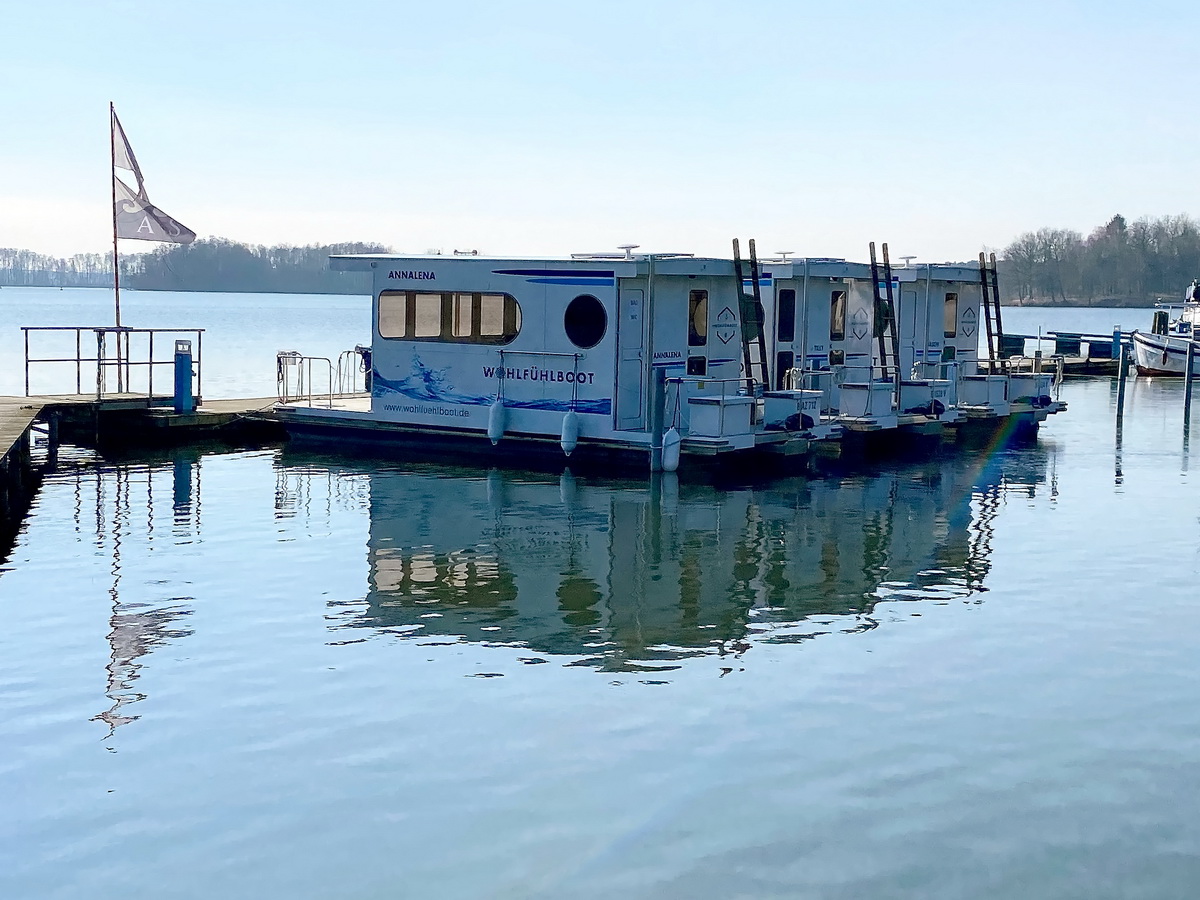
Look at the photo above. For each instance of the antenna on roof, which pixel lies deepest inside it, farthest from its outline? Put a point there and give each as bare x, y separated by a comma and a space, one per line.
907, 259
628, 248
784, 254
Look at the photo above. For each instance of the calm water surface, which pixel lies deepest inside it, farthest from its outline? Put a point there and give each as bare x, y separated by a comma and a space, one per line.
276, 674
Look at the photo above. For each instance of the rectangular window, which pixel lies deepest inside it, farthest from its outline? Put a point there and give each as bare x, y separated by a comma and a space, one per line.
428, 319
393, 314
697, 365
491, 318
697, 318
462, 320
837, 316
787, 316
950, 315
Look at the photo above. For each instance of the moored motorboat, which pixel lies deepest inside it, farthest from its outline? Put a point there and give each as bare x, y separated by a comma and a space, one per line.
1164, 350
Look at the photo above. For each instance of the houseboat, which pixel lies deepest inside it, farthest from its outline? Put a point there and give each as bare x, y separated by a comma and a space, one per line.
614, 358
940, 315
820, 329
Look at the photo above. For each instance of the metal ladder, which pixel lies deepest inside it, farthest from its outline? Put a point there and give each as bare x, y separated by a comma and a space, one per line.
990, 285
750, 307
885, 316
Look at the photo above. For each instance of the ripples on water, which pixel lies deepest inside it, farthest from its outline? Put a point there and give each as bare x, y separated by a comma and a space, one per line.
276, 674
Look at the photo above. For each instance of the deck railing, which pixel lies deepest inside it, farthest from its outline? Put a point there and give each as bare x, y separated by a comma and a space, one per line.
118, 356
318, 379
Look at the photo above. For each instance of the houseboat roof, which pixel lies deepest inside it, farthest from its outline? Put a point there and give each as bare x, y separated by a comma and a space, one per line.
819, 267
626, 265
947, 271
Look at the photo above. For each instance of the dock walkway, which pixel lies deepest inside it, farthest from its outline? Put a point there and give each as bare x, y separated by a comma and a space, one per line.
18, 414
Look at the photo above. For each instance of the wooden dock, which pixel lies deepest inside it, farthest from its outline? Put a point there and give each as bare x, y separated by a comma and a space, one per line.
1082, 366
123, 418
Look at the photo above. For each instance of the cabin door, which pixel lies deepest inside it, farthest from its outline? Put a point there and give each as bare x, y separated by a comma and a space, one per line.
631, 360
913, 332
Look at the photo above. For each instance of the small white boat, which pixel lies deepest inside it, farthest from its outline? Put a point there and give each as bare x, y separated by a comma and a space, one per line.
1164, 350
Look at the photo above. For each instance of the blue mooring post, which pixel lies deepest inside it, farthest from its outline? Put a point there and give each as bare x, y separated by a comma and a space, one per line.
1122, 374
1116, 351
185, 402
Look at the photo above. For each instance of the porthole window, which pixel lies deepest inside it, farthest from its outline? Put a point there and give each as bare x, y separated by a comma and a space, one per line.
585, 321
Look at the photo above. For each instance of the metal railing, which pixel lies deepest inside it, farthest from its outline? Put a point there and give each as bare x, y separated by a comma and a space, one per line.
120, 361
298, 377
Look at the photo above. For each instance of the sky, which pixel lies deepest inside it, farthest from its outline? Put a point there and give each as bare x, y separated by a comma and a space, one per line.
546, 128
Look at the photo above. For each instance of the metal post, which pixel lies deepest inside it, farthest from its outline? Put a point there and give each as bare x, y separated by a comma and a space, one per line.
150, 370
1116, 344
1122, 373
26, 362
78, 361
99, 363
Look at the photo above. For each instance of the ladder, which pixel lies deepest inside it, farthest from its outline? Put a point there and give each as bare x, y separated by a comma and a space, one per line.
752, 315
885, 316
990, 285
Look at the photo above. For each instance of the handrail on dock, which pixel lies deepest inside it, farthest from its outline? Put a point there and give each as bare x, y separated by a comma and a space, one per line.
294, 376
123, 360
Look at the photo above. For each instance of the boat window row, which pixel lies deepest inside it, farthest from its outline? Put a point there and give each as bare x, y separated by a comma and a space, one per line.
455, 318
479, 318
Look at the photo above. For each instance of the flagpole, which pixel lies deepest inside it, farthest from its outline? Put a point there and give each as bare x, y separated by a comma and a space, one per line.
112, 146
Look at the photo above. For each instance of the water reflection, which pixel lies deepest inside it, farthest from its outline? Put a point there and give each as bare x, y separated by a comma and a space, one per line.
638, 576
119, 510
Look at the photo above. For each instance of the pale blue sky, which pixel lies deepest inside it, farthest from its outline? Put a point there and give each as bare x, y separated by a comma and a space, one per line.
546, 128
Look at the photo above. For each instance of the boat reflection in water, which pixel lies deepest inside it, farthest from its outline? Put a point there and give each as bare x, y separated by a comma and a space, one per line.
634, 576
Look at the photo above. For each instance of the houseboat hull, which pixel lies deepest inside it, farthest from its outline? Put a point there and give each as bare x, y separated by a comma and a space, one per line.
364, 434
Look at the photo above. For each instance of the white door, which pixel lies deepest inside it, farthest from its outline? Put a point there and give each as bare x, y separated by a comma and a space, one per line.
912, 332
631, 360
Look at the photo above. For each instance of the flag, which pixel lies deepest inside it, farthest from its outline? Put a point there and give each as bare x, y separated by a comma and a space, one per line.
135, 217
138, 219
123, 157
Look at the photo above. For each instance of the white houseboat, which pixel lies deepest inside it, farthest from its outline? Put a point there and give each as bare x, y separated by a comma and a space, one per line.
598, 357
941, 317
820, 329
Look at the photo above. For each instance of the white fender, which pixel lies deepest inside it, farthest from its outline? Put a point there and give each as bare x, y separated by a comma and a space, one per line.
570, 432
670, 450
496, 420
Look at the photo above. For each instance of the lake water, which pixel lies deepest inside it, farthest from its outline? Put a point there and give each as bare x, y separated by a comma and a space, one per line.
274, 674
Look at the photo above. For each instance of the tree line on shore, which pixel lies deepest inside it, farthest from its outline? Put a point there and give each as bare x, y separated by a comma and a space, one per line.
209, 264
1119, 264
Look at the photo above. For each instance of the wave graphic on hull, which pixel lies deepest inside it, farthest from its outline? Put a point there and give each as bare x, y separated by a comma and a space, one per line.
434, 386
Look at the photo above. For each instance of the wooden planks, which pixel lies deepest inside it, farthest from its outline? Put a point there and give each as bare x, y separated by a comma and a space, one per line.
16, 415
